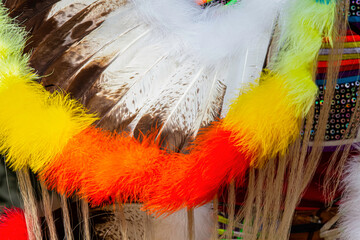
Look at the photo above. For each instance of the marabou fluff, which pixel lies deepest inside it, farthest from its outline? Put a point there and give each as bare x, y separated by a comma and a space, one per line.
34, 124
219, 28
262, 120
300, 41
270, 113
349, 207
194, 179
91, 166
104, 167
13, 225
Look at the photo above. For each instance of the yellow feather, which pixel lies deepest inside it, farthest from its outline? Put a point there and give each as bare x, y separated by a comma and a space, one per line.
266, 118
306, 24
12, 37
35, 125
263, 120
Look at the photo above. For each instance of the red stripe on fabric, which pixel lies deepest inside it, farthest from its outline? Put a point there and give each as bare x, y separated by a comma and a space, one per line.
352, 36
348, 62
342, 68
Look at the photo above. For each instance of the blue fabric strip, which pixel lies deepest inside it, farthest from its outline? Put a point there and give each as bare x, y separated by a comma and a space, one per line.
340, 80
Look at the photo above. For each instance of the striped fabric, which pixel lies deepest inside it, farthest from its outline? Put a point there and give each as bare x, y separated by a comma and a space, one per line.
350, 63
343, 104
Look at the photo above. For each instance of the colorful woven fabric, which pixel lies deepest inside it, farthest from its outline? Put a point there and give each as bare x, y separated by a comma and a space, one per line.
346, 91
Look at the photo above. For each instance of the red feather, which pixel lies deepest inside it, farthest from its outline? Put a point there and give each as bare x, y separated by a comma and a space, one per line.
13, 225
103, 167
193, 179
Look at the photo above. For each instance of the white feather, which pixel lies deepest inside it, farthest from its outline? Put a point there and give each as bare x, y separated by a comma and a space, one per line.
98, 39
215, 33
65, 9
144, 86
349, 207
64, 5
110, 49
218, 35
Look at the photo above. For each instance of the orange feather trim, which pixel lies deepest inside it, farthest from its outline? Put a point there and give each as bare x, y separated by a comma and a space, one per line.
194, 179
104, 168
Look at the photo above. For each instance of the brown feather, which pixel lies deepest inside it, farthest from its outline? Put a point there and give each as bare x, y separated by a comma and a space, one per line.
59, 40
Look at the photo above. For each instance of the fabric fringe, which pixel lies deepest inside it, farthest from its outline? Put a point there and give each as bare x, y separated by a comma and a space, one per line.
30, 206
191, 224
66, 218
47, 207
231, 211
86, 217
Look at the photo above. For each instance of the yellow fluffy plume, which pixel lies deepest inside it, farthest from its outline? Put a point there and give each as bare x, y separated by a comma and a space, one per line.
263, 120
12, 37
34, 124
305, 24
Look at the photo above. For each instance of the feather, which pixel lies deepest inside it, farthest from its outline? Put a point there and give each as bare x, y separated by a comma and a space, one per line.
302, 46
200, 30
30, 13
349, 207
99, 189
291, 79
42, 23
93, 69
130, 95
193, 179
14, 4
145, 116
52, 46
95, 51
164, 182
88, 163
36, 125
250, 128
13, 225
245, 69
167, 181
70, 7
28, 112
181, 104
